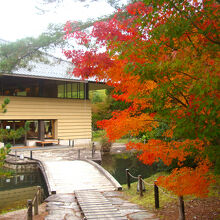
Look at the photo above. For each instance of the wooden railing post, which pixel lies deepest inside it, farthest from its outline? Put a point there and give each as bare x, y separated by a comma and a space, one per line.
39, 195
140, 185
36, 205
181, 208
128, 178
78, 153
29, 212
156, 195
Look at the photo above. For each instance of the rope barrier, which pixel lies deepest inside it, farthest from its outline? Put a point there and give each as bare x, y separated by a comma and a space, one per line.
132, 176
166, 193
147, 183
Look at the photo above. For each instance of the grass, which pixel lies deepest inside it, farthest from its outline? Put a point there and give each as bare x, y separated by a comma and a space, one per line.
14, 207
147, 201
165, 197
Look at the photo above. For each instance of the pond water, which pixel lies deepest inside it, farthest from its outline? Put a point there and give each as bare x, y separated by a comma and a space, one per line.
116, 164
17, 189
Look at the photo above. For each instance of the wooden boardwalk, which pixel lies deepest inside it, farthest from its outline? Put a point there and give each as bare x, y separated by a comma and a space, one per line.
95, 206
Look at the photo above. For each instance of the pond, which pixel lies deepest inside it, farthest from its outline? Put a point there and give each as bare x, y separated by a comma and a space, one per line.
116, 164
17, 189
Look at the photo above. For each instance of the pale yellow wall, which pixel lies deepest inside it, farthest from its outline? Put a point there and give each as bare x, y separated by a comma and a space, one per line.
73, 116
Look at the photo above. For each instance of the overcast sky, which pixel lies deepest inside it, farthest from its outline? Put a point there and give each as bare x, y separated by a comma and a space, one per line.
20, 18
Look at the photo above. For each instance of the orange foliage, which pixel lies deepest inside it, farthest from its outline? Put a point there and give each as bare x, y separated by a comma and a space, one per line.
162, 60
188, 181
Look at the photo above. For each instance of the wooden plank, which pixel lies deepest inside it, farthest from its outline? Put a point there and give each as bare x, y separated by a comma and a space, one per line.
95, 206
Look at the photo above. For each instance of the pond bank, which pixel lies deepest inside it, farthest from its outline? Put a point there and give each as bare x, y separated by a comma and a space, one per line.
127, 208
22, 214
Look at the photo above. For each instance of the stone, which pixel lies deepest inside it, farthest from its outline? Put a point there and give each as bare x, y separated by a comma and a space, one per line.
142, 216
61, 198
112, 194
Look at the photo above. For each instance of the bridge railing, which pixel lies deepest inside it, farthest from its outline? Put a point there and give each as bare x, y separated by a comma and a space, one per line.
34, 203
141, 189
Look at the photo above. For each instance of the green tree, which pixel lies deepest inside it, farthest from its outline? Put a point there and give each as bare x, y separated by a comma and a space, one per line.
6, 135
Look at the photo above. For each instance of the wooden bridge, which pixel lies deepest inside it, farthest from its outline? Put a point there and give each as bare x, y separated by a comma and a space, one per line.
85, 180
68, 176
82, 189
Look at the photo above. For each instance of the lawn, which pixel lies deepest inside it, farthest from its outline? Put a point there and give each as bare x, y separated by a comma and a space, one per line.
195, 208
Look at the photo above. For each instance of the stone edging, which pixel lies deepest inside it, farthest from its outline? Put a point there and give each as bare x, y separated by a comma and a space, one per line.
115, 183
38, 163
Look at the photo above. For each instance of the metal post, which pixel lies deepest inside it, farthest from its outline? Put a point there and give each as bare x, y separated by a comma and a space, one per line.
31, 155
93, 149
69, 142
140, 185
128, 179
156, 195
29, 212
15, 155
73, 143
79, 154
181, 208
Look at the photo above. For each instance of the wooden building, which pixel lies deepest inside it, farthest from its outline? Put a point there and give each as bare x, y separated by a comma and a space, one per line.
56, 105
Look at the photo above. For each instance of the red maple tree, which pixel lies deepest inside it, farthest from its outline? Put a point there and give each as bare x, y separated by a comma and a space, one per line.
161, 57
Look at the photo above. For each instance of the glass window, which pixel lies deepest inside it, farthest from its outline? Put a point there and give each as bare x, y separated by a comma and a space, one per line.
74, 90
82, 91
16, 86
68, 90
33, 130
61, 91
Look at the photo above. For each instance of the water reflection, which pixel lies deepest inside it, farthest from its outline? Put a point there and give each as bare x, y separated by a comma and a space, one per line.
116, 164
16, 190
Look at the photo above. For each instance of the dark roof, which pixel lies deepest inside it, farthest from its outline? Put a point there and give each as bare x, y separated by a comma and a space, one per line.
56, 69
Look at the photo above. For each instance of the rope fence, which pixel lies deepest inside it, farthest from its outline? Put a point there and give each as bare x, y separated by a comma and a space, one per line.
141, 189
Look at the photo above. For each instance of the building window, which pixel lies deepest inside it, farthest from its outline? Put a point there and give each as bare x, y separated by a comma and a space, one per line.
72, 90
16, 86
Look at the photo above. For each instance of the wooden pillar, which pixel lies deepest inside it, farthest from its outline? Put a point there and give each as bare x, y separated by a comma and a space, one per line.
14, 130
41, 130
25, 135
86, 95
